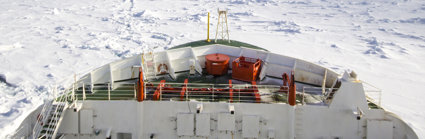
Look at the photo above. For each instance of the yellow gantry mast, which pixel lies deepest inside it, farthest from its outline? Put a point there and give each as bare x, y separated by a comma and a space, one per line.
208, 32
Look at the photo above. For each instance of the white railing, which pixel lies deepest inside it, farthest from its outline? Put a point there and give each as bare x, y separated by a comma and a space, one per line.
187, 92
61, 101
373, 94
44, 115
123, 91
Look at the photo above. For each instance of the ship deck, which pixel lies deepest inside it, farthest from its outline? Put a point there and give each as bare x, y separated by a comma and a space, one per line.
269, 90
205, 87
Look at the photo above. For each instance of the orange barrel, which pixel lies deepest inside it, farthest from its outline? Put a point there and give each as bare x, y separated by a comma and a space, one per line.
217, 64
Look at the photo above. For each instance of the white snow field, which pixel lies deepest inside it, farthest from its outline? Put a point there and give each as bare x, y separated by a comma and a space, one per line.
44, 42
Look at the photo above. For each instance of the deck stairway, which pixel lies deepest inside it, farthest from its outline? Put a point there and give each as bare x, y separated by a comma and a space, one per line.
50, 117
50, 129
148, 63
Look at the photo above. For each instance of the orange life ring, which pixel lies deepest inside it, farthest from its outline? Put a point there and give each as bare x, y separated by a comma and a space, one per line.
162, 66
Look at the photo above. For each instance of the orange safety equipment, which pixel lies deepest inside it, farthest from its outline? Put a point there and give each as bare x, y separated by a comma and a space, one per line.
157, 94
230, 91
140, 87
162, 68
285, 87
217, 64
255, 90
184, 89
292, 89
246, 69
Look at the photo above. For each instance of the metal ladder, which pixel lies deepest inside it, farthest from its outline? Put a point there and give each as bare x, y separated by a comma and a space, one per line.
148, 61
42, 118
51, 117
56, 114
299, 132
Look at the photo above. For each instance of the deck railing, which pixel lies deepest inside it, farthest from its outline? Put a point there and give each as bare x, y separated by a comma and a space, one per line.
216, 92
236, 93
373, 94
244, 93
123, 91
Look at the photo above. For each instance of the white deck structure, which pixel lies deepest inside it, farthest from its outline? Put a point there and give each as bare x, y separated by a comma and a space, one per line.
343, 108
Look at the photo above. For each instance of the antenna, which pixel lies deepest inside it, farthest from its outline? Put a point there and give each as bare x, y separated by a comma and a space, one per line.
222, 21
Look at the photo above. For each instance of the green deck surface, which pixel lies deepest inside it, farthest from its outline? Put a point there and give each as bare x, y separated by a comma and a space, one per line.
120, 93
222, 42
373, 105
197, 78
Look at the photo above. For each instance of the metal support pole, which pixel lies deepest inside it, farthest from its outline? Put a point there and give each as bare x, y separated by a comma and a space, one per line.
303, 96
135, 92
73, 92
324, 82
109, 91
84, 92
144, 92
213, 92
187, 94
92, 88
208, 31
227, 28
239, 95
160, 92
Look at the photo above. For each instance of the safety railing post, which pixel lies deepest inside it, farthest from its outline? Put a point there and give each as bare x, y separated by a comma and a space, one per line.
144, 92
84, 92
213, 92
239, 91
160, 91
65, 95
109, 91
73, 92
187, 94
303, 96
135, 92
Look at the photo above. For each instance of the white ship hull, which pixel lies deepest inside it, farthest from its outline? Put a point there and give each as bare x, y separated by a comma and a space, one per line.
349, 113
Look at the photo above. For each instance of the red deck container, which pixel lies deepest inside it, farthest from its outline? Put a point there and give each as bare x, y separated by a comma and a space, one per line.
217, 64
246, 69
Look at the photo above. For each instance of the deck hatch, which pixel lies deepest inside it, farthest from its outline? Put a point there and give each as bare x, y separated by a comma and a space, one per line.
86, 121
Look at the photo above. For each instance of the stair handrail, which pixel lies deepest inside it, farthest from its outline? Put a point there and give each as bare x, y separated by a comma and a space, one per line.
42, 117
62, 98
